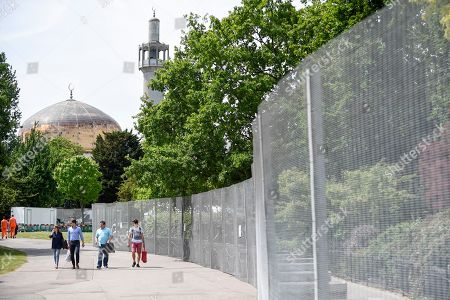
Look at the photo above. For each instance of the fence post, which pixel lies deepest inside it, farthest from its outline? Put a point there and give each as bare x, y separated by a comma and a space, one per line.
317, 151
156, 230
262, 260
169, 233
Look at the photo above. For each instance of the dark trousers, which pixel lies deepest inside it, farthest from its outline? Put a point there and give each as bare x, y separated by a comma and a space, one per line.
102, 255
75, 252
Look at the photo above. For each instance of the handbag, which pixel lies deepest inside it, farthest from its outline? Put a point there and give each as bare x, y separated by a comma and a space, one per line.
65, 245
109, 247
144, 256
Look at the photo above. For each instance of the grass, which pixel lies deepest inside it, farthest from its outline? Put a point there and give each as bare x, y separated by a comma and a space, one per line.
11, 259
43, 235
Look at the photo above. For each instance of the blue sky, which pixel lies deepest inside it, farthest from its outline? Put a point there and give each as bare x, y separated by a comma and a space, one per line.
51, 43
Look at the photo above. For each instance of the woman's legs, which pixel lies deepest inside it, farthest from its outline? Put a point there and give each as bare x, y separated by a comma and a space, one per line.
57, 252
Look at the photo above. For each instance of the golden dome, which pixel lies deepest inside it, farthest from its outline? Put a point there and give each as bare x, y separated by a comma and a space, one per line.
74, 120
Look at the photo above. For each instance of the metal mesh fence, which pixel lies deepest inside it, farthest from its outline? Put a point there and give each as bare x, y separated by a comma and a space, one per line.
350, 196
214, 229
64, 215
352, 164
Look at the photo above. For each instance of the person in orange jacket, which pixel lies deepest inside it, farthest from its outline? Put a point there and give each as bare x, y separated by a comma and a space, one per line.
12, 227
4, 228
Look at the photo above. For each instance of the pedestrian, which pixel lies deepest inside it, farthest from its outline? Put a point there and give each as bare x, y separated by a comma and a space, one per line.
12, 227
136, 240
74, 236
57, 244
4, 228
103, 235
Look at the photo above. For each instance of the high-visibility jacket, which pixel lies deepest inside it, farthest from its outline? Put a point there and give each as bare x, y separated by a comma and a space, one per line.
12, 222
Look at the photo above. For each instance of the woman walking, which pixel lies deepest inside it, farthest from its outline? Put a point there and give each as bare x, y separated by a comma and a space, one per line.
57, 244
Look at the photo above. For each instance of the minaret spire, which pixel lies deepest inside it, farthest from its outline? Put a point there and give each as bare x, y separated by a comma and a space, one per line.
152, 56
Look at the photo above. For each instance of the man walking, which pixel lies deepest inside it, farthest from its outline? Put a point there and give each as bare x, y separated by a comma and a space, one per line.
74, 236
103, 236
136, 239
12, 227
4, 228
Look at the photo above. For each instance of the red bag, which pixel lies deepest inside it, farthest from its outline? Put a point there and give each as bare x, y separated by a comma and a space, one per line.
144, 256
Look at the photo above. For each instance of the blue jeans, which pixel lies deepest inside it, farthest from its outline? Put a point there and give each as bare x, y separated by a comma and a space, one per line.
102, 254
56, 255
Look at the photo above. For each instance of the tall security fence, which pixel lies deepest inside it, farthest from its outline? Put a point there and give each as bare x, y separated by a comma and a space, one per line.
351, 175
215, 229
352, 164
65, 215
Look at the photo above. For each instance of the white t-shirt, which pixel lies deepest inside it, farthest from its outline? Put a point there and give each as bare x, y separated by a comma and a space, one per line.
136, 234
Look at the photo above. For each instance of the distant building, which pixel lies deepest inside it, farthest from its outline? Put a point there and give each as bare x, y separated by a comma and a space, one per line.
74, 120
152, 56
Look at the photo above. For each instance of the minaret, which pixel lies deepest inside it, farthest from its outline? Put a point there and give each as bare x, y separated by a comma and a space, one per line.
151, 58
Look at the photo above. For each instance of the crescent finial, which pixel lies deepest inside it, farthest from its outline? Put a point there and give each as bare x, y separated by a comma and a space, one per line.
71, 90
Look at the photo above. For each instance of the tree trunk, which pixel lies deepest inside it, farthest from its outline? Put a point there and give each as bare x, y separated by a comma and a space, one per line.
82, 212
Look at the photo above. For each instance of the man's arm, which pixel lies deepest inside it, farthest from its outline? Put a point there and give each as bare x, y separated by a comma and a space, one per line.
110, 236
81, 236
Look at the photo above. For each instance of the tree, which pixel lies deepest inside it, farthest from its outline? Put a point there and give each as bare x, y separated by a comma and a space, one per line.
113, 153
30, 173
78, 178
8, 198
434, 171
60, 149
9, 110
213, 86
440, 8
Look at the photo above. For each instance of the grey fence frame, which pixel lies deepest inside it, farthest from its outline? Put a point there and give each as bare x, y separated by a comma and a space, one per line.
215, 229
238, 229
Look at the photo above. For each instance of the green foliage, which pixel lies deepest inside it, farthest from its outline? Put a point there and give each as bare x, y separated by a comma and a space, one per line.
199, 137
113, 153
9, 110
367, 196
8, 199
293, 208
30, 173
440, 8
60, 149
416, 246
78, 178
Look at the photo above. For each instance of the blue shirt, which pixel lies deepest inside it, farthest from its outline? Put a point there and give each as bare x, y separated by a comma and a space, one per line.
75, 234
103, 235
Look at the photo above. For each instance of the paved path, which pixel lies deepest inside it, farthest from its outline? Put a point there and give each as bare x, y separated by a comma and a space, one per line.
162, 278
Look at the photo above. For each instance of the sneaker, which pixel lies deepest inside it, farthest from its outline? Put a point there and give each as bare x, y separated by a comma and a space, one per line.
134, 264
78, 266
138, 266
106, 267
99, 267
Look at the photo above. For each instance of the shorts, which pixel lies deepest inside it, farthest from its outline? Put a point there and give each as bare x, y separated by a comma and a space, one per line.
136, 247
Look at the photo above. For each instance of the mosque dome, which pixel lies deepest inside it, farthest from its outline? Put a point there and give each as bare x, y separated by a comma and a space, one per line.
74, 120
